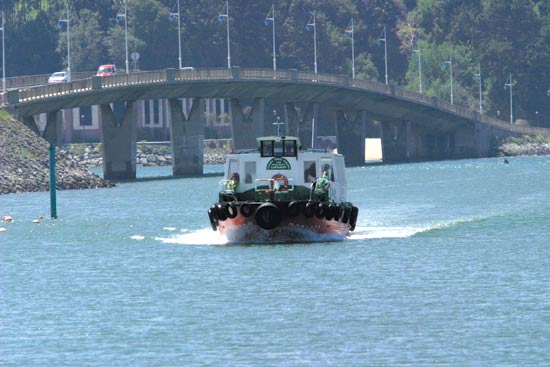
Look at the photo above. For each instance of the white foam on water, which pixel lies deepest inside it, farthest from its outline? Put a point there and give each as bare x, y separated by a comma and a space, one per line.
137, 237
373, 232
203, 236
362, 233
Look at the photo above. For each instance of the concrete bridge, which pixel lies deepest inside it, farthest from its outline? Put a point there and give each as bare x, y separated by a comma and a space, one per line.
412, 126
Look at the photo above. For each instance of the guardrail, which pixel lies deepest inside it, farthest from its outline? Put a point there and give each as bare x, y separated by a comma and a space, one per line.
32, 94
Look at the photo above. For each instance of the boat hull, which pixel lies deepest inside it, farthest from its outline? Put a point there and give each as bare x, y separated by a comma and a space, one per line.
289, 227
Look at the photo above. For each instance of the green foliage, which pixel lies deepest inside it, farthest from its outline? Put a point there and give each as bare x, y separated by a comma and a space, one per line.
504, 37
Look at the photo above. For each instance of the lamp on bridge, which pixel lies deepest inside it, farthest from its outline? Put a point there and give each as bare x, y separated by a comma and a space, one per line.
417, 51
272, 20
171, 17
507, 85
312, 23
117, 19
3, 29
450, 63
385, 40
60, 23
221, 18
478, 77
350, 33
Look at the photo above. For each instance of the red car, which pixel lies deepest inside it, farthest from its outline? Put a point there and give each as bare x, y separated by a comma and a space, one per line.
106, 70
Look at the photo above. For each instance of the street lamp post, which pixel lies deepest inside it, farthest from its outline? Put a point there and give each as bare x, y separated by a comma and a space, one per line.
478, 76
221, 17
450, 63
272, 20
171, 17
509, 85
350, 33
125, 16
385, 40
417, 51
68, 22
313, 23
3, 29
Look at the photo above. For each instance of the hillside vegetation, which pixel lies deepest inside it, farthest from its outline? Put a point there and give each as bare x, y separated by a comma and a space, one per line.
499, 38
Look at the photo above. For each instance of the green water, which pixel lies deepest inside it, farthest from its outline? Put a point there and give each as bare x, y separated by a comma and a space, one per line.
449, 266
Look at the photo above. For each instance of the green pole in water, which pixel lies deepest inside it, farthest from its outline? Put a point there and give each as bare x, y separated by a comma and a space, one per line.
53, 200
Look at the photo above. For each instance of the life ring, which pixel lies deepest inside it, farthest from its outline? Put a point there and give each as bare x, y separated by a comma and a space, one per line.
268, 216
275, 182
321, 211
212, 217
294, 208
246, 210
230, 210
309, 209
353, 218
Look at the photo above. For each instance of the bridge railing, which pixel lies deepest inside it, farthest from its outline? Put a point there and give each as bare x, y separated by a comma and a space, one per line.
53, 90
175, 75
17, 82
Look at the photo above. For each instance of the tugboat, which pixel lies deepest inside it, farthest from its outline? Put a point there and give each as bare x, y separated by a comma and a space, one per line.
278, 193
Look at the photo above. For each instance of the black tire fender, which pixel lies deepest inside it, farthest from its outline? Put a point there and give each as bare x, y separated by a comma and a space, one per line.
212, 217
222, 214
353, 218
321, 211
231, 210
247, 210
294, 208
268, 216
309, 209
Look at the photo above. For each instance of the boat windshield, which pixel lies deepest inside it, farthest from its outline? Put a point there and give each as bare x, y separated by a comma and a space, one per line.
281, 148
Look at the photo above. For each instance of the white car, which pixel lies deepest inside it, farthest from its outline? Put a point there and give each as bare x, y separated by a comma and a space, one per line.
59, 77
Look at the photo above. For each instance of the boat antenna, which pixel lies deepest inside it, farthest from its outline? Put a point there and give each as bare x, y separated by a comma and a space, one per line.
278, 122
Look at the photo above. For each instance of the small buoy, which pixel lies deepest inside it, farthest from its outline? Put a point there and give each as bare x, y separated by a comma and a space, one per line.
7, 219
3, 229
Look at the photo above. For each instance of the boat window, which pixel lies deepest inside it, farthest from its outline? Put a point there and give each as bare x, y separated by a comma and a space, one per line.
290, 148
267, 148
310, 171
326, 165
279, 148
233, 167
249, 172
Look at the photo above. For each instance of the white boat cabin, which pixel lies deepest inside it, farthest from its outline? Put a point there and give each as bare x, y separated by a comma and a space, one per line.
285, 172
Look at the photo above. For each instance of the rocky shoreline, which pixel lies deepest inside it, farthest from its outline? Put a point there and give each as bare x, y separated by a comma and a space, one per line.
147, 154
525, 146
24, 163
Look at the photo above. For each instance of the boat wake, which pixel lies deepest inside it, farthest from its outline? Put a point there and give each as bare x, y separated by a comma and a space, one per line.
374, 232
205, 237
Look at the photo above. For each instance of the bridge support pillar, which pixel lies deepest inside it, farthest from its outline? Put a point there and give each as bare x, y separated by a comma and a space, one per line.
400, 143
350, 136
118, 142
187, 137
246, 128
53, 132
30, 122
